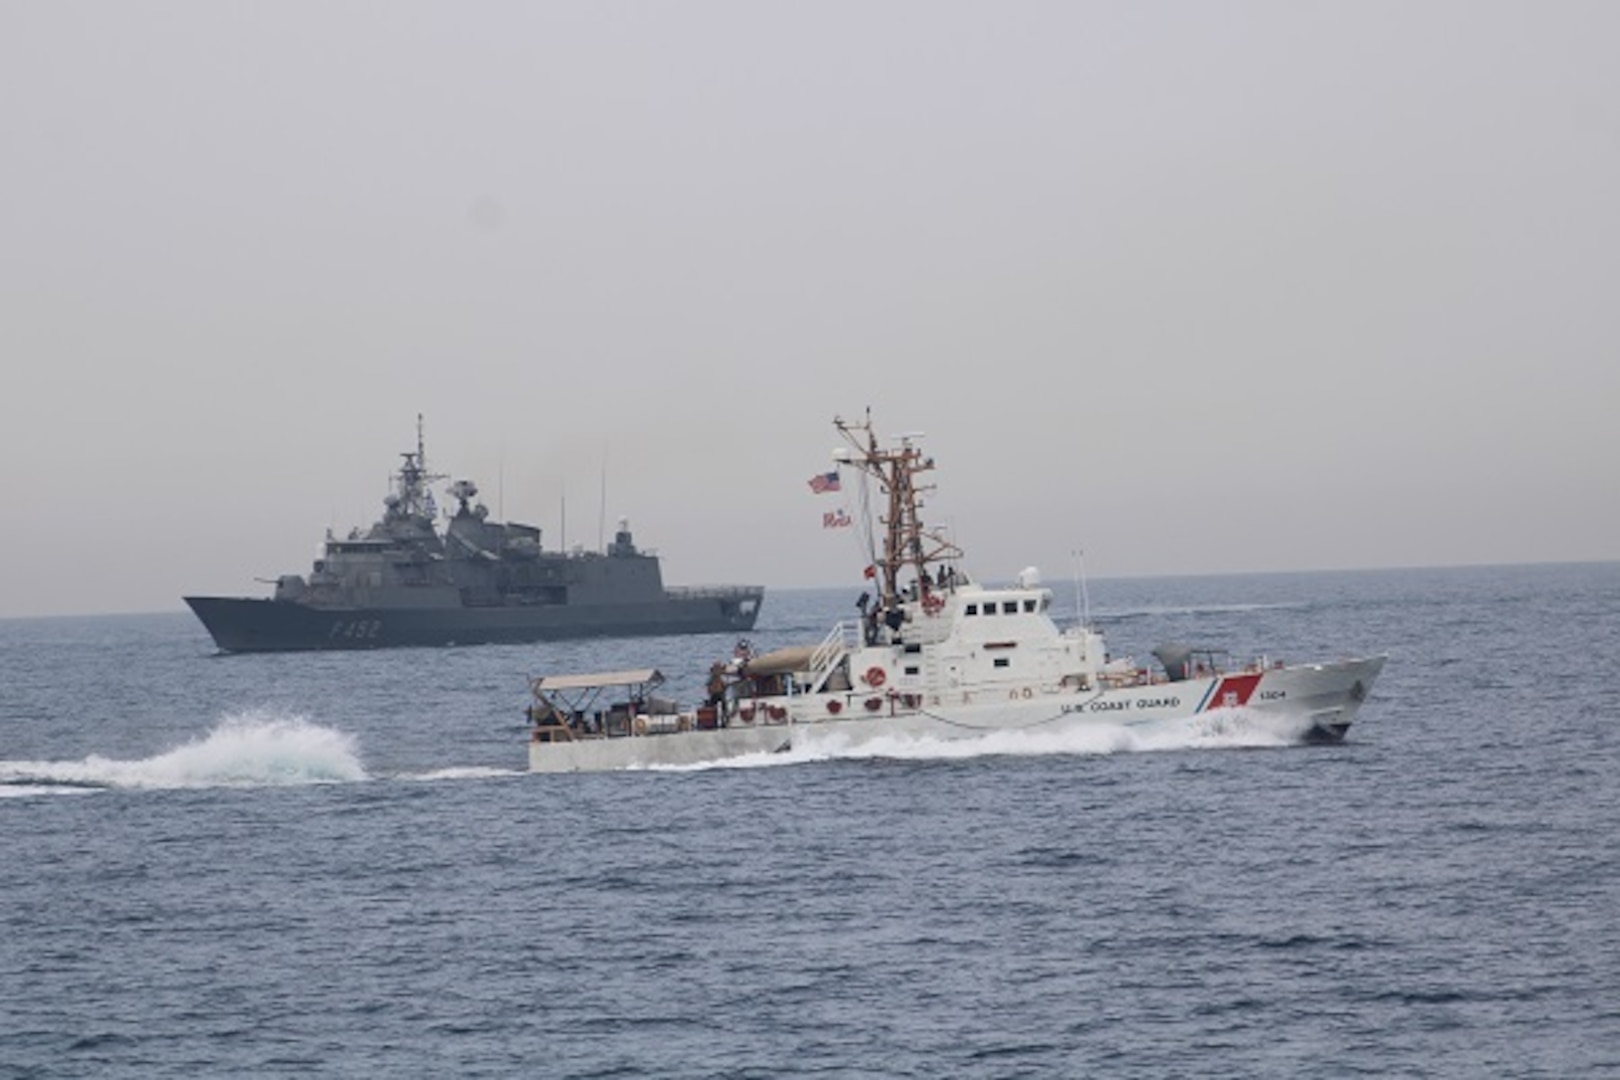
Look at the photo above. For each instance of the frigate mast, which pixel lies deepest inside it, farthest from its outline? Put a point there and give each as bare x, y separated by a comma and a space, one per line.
414, 498
906, 540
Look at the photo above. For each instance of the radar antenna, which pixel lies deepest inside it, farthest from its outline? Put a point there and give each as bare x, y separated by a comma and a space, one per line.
907, 541
411, 482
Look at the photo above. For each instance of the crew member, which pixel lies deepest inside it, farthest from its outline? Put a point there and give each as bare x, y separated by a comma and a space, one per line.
717, 683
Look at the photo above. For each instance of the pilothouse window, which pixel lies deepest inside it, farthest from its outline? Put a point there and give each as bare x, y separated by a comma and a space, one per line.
1009, 607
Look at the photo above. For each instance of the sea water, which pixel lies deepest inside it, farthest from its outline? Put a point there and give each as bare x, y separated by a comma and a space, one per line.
334, 864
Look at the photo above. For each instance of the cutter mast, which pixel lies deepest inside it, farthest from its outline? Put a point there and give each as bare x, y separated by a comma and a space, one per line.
908, 542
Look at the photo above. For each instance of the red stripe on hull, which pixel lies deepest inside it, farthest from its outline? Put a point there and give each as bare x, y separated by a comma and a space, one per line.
1234, 690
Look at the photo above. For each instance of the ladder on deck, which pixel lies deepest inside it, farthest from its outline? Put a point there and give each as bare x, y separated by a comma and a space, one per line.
825, 658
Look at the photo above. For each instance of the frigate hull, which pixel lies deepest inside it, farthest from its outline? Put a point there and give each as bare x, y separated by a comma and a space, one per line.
264, 625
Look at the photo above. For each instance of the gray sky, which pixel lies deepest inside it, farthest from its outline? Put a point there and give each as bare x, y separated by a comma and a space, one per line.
1198, 287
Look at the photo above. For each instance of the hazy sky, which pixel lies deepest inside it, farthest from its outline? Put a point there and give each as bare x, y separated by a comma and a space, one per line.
1197, 287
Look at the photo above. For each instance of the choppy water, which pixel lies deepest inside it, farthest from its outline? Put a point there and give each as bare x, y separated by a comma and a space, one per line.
332, 864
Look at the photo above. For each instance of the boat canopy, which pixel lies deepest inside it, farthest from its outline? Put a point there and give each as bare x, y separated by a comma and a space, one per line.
1183, 661
601, 681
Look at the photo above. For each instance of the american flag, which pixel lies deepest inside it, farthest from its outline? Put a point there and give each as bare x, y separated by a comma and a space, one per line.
822, 483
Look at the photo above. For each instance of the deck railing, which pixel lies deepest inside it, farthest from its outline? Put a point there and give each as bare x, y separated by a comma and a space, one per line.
712, 592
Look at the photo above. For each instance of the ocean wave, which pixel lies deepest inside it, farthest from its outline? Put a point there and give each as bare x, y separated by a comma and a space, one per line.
1160, 610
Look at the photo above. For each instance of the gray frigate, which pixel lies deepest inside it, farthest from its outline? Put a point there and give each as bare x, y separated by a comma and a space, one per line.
404, 582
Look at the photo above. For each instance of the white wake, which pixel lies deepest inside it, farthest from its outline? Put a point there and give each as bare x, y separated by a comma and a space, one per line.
1220, 729
252, 749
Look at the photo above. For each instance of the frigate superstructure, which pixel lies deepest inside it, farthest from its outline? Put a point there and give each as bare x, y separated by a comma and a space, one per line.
404, 582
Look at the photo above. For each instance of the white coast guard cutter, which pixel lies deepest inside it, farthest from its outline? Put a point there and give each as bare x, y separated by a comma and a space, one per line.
935, 656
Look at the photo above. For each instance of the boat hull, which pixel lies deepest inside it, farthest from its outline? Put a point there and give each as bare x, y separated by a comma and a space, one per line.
262, 625
1308, 703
